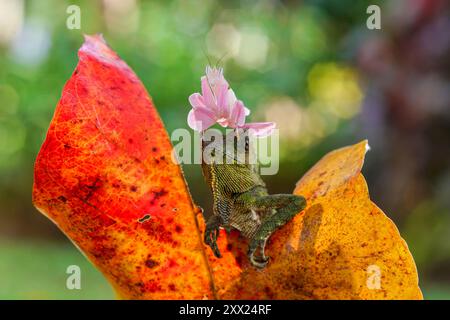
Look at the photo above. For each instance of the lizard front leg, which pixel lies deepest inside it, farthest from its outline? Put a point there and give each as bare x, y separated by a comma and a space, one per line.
212, 233
286, 206
218, 219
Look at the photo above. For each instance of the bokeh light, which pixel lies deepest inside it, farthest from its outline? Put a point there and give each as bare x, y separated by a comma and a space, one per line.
311, 66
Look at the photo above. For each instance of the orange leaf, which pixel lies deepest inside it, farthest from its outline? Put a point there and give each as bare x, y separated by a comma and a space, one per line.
342, 246
104, 176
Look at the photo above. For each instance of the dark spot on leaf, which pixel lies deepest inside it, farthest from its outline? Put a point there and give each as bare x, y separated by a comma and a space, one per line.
152, 286
90, 189
156, 230
150, 263
144, 218
133, 188
103, 252
172, 263
269, 292
157, 195
62, 198
154, 149
178, 228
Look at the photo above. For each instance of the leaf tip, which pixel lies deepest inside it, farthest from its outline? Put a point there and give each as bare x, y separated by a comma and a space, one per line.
95, 45
366, 143
94, 38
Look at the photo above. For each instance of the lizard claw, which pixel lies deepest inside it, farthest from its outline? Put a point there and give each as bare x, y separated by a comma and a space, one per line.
262, 261
258, 264
263, 256
215, 249
211, 235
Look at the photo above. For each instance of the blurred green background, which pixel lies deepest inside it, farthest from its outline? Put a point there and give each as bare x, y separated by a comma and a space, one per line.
313, 67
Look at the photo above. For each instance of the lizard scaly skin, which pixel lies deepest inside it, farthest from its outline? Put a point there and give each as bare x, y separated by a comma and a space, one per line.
241, 200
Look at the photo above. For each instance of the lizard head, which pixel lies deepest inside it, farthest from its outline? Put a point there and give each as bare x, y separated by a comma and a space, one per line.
235, 147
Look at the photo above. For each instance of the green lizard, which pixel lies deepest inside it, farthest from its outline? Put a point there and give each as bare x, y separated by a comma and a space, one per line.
240, 197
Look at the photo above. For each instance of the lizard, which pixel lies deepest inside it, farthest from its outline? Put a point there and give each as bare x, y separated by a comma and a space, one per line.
240, 198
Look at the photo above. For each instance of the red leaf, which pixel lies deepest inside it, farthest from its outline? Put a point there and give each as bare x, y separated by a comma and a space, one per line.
104, 175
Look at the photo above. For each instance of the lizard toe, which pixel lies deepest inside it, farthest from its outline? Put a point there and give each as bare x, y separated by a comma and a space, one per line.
257, 263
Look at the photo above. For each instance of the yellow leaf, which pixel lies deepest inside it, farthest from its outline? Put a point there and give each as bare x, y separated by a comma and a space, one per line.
342, 246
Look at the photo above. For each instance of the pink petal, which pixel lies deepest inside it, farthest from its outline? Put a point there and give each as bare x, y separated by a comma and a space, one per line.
237, 117
196, 101
214, 90
218, 103
231, 97
222, 100
231, 101
260, 129
215, 76
200, 119
224, 122
208, 97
